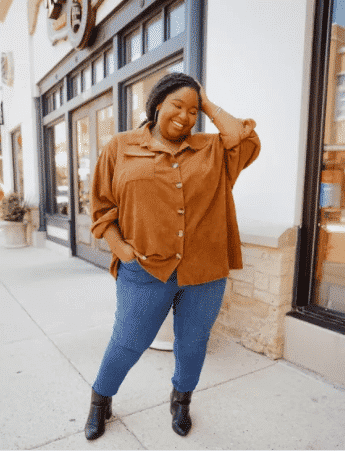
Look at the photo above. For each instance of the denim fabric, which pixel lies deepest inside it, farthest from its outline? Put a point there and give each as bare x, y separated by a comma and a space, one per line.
143, 302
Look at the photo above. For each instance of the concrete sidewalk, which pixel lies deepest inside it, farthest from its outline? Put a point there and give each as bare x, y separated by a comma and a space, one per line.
55, 321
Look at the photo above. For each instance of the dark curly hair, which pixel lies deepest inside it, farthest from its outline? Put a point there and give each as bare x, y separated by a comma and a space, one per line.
165, 86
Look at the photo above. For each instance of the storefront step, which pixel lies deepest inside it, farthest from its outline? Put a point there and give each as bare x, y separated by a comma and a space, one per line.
315, 348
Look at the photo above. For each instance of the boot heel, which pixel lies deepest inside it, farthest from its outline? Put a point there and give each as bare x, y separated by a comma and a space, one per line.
108, 413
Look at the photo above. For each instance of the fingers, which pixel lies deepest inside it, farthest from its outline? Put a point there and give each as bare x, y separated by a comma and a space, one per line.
141, 256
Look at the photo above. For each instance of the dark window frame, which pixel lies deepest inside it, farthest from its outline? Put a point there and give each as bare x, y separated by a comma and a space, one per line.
51, 208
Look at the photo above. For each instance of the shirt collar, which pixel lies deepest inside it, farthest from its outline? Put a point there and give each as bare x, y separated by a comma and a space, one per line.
144, 139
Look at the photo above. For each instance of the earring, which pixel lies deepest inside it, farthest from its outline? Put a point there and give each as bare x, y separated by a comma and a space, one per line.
155, 116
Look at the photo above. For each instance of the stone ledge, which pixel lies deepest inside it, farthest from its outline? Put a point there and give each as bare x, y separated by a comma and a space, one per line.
267, 234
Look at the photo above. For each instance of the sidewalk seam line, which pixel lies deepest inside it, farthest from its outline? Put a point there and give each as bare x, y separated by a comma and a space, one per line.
50, 340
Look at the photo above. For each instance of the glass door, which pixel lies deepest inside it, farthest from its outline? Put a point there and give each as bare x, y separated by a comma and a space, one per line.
92, 128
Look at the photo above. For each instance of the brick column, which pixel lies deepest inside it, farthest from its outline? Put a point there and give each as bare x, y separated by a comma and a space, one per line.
257, 299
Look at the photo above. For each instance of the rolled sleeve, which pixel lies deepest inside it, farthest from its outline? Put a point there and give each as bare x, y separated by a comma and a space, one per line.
243, 154
104, 210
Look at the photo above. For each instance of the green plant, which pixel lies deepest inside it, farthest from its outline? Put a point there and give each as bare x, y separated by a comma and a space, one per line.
12, 207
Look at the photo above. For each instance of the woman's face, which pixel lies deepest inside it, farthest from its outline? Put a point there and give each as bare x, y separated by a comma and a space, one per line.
178, 113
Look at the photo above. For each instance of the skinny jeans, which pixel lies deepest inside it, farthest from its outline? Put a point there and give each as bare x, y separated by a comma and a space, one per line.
143, 302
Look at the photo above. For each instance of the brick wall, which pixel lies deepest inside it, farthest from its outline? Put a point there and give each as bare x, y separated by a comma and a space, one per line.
257, 299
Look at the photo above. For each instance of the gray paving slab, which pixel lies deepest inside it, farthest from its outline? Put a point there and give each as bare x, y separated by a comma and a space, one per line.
76, 303
40, 394
117, 438
62, 295
276, 408
15, 324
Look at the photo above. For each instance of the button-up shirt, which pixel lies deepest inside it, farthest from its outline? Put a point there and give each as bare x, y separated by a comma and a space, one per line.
174, 208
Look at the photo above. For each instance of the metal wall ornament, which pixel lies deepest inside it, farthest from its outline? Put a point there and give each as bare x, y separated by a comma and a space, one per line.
73, 20
54, 8
81, 18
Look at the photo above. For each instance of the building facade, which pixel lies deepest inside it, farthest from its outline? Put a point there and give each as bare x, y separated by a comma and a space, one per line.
80, 71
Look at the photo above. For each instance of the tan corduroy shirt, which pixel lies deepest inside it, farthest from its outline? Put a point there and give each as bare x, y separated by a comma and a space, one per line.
176, 209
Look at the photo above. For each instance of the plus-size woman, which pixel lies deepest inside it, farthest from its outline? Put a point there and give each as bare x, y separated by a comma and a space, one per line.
162, 199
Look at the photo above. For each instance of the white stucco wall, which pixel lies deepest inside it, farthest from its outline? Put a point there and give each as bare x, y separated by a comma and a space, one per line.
257, 59
18, 103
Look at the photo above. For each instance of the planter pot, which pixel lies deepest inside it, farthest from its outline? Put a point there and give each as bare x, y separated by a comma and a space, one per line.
15, 233
165, 336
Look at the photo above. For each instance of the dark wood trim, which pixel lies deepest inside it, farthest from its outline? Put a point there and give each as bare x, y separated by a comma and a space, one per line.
317, 105
71, 183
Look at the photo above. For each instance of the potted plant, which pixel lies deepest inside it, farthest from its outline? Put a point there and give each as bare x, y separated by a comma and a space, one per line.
12, 211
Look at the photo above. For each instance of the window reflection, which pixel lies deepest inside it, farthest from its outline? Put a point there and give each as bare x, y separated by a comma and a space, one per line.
105, 127
76, 85
176, 19
98, 70
110, 62
137, 94
154, 33
83, 148
87, 78
133, 46
61, 196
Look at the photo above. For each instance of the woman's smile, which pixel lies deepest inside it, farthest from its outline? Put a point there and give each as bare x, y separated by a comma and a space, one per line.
177, 124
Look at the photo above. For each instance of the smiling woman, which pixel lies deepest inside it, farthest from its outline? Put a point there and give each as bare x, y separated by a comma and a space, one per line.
162, 199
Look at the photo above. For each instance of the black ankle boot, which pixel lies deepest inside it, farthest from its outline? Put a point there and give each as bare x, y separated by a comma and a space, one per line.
179, 408
100, 410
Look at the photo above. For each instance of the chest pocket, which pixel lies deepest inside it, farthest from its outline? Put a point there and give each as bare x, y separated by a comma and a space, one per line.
138, 165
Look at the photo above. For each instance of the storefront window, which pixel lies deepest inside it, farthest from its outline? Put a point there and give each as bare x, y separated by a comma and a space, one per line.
105, 127
176, 19
133, 46
98, 67
110, 62
76, 85
83, 147
154, 33
330, 271
87, 78
61, 191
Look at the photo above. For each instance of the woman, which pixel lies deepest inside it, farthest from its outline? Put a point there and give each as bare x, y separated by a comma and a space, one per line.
162, 199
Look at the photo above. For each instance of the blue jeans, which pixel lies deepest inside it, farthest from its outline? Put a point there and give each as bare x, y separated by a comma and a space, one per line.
143, 302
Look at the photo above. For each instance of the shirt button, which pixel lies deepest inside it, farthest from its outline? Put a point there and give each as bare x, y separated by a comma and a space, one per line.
175, 165
178, 256
180, 233
179, 185
180, 211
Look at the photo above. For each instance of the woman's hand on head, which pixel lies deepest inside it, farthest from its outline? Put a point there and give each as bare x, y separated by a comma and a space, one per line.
204, 98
